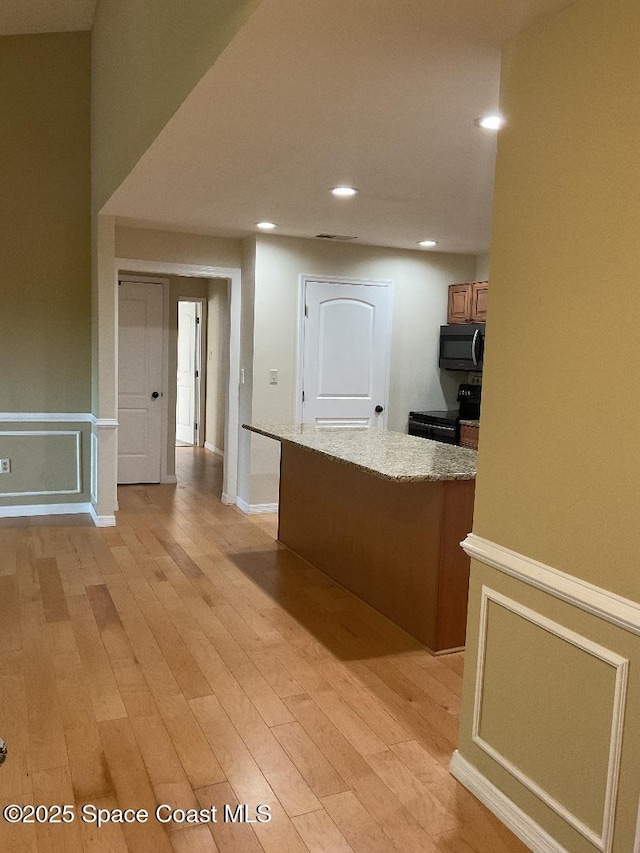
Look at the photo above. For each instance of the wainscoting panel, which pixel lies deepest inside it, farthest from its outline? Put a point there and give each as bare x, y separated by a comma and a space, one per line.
50, 463
555, 713
549, 737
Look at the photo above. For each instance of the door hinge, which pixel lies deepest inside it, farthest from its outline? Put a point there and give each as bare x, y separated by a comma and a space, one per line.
197, 373
195, 426
197, 321
306, 310
303, 396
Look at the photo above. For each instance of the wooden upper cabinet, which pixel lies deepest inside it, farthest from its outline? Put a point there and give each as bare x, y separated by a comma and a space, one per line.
468, 302
459, 306
479, 293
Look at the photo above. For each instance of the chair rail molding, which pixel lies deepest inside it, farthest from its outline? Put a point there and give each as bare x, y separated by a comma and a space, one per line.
620, 611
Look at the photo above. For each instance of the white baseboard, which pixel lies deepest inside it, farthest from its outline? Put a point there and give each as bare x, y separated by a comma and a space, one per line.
213, 449
527, 830
102, 520
28, 510
228, 500
169, 480
255, 509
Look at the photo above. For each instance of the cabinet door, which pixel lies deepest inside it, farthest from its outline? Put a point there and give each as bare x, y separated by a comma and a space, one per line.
469, 436
459, 305
480, 291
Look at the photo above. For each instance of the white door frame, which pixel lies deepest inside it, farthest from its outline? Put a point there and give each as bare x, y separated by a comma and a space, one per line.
232, 419
338, 279
164, 390
201, 379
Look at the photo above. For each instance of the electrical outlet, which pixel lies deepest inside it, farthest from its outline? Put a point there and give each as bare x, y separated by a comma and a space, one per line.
5, 466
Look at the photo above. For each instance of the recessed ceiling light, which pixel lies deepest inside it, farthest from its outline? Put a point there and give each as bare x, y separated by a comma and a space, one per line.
428, 244
490, 122
344, 192
266, 226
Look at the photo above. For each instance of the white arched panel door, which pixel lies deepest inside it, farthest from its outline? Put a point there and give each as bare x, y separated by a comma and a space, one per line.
346, 354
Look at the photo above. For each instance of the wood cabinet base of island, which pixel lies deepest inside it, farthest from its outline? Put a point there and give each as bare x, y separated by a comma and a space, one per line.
396, 545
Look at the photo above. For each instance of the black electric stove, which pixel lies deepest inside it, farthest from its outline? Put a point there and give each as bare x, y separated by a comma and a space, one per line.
445, 426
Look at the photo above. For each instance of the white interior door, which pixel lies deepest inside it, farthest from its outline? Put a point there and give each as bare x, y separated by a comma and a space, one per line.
140, 382
346, 353
188, 349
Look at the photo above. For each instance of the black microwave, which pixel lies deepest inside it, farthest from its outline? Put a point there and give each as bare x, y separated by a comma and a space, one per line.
462, 346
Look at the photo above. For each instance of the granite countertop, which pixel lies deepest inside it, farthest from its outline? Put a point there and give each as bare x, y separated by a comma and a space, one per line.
386, 454
470, 423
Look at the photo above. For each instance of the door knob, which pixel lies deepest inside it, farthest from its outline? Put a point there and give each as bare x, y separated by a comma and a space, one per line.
155, 395
379, 409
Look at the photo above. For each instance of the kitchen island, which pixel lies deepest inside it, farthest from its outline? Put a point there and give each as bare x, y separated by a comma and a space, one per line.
383, 514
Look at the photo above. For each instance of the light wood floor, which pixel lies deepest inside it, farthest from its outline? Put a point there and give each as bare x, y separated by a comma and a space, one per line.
186, 658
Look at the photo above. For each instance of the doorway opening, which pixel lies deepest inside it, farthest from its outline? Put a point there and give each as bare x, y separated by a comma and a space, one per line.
191, 379
218, 294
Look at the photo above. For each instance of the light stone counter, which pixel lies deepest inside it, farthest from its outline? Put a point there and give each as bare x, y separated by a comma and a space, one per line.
390, 455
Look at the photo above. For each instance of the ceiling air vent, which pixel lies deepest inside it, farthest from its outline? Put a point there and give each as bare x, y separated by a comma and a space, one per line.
335, 237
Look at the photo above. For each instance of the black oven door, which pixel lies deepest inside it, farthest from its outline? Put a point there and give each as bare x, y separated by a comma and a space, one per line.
462, 346
446, 433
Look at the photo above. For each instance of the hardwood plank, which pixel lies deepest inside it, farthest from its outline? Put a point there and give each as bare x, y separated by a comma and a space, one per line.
101, 682
54, 787
15, 778
199, 762
10, 636
318, 773
320, 833
163, 765
328, 739
354, 822
313, 703
110, 625
54, 604
229, 837
183, 666
263, 748
133, 786
108, 838
246, 778
195, 839
417, 798
47, 746
87, 763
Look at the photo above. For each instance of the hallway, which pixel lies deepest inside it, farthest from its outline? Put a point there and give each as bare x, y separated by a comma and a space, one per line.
185, 658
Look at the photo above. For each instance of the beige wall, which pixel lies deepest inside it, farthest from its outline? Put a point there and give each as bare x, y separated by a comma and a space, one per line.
420, 281
45, 322
558, 463
561, 331
146, 58
177, 248
482, 267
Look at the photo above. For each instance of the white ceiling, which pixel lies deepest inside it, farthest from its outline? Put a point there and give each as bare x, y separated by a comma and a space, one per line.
380, 94
20, 17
